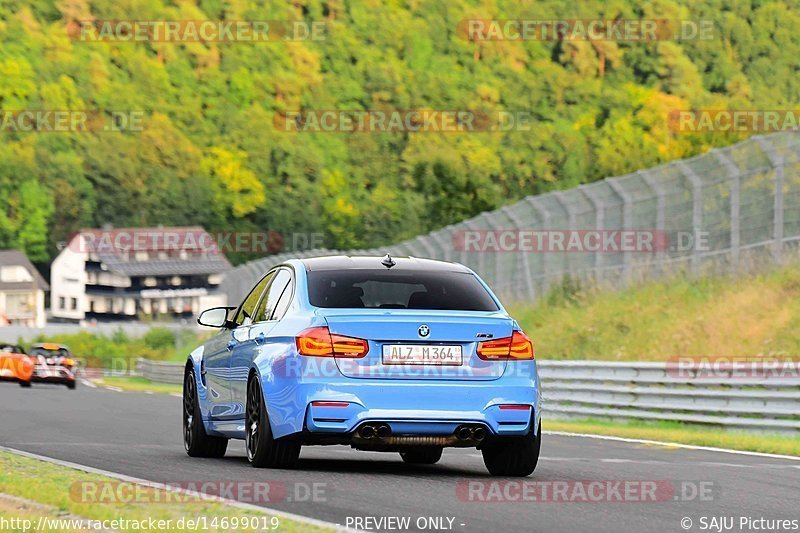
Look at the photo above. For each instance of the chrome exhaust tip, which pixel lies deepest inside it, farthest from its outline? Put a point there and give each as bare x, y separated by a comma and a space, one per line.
383, 431
478, 434
366, 432
463, 433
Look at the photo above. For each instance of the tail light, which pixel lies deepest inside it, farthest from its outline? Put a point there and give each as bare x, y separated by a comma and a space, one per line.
320, 403
517, 347
319, 342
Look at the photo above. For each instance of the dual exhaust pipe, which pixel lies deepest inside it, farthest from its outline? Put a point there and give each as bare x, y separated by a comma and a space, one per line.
371, 431
463, 433
473, 433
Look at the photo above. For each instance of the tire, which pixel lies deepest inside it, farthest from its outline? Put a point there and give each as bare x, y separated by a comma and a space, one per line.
195, 439
424, 455
71, 385
25, 384
515, 458
264, 451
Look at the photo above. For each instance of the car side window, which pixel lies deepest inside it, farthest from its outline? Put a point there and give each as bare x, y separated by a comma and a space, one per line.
283, 301
246, 311
283, 278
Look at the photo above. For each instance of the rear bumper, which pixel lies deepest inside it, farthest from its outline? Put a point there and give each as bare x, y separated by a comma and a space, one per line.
52, 374
409, 407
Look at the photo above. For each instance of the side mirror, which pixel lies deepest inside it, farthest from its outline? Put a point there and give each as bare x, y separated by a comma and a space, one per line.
216, 317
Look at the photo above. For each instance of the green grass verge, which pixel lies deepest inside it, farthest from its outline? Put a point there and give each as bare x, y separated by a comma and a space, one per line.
137, 384
58, 487
681, 433
713, 316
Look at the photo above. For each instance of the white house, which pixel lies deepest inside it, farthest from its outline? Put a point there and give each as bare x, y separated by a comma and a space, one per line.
123, 274
22, 291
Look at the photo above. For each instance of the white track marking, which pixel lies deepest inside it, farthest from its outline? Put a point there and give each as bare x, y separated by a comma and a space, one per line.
88, 383
161, 486
115, 389
176, 395
672, 445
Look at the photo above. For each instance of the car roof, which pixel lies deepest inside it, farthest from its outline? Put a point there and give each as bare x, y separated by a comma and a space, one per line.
346, 262
50, 346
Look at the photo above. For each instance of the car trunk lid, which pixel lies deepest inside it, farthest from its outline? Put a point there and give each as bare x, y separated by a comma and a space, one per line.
432, 339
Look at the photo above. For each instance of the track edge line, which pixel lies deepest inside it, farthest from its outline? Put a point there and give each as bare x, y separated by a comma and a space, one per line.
672, 444
161, 486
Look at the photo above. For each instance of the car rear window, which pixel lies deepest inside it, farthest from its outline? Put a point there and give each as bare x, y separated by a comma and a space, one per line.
11, 348
60, 352
396, 289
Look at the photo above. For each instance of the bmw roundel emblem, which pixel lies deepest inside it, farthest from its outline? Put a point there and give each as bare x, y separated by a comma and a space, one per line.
424, 330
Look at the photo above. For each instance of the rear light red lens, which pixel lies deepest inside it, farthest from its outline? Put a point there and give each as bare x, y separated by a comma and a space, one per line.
494, 350
329, 404
521, 346
515, 407
318, 342
517, 347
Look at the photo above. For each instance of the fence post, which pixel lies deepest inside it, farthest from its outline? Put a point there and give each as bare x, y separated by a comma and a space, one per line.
599, 222
446, 247
470, 224
559, 196
490, 223
697, 212
660, 214
544, 216
523, 257
626, 224
428, 248
735, 176
777, 229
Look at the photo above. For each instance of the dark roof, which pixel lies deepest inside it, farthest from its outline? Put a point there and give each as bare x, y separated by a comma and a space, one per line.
17, 258
344, 262
203, 255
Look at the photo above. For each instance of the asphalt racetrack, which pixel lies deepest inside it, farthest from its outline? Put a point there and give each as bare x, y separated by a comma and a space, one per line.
139, 435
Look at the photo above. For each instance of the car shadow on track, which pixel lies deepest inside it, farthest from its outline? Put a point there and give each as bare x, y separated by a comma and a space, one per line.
387, 466
368, 465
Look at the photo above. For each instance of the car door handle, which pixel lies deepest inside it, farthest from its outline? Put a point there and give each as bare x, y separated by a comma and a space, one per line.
232, 344
260, 338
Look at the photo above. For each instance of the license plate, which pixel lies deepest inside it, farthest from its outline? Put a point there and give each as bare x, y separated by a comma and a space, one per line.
420, 354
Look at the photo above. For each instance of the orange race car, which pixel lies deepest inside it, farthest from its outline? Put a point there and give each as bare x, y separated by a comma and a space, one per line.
53, 363
15, 365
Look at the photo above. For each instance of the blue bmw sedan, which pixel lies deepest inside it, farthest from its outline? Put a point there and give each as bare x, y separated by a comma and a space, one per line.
386, 354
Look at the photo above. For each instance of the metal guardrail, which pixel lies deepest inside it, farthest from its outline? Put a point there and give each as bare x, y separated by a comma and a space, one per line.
638, 391
160, 371
652, 391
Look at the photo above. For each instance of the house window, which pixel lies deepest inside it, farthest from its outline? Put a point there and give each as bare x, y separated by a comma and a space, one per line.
62, 302
73, 303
